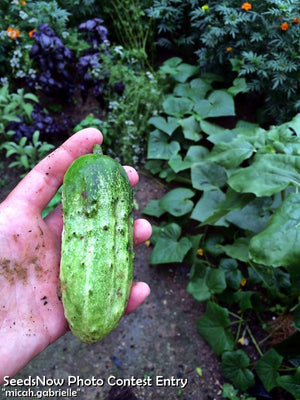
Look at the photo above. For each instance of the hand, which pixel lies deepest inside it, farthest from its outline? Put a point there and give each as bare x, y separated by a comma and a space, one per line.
31, 314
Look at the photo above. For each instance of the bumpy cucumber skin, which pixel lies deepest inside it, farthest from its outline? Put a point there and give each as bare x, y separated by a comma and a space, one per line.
97, 258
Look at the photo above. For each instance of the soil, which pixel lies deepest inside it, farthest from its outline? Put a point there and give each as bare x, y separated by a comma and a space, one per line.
157, 342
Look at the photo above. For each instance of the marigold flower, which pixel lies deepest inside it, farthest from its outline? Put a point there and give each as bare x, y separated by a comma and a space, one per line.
13, 33
246, 6
23, 3
297, 20
205, 7
30, 34
284, 26
229, 48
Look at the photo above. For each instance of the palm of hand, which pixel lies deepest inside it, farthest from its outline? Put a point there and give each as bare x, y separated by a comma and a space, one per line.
31, 312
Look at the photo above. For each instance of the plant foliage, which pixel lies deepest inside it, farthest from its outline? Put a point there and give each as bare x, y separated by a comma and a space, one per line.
237, 191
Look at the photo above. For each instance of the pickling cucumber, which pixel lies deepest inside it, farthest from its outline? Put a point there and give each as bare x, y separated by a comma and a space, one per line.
97, 255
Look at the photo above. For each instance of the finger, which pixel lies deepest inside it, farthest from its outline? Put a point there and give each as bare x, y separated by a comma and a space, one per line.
42, 182
138, 294
132, 175
142, 231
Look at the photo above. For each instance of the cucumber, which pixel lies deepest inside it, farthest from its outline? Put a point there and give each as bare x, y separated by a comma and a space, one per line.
97, 255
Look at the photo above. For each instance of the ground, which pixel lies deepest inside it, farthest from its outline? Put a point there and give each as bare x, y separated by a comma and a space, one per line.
158, 341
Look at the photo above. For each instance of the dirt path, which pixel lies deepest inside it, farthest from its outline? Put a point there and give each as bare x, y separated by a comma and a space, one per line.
157, 344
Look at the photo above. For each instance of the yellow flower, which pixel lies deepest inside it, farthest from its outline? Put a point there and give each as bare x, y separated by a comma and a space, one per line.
200, 252
246, 6
241, 340
13, 33
229, 48
284, 26
243, 282
205, 7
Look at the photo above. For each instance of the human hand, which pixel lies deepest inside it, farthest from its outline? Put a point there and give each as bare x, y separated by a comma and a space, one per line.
31, 314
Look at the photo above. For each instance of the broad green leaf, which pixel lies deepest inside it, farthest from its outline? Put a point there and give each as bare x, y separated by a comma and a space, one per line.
206, 206
291, 383
168, 247
247, 300
238, 250
295, 124
267, 368
159, 147
278, 244
269, 174
168, 126
231, 154
190, 128
207, 175
193, 155
177, 106
195, 90
232, 274
219, 104
206, 281
153, 208
239, 86
212, 243
235, 367
185, 71
254, 216
176, 202
214, 327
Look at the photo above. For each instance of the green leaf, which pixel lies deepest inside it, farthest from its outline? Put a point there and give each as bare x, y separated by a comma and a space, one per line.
267, 368
219, 104
193, 155
168, 126
278, 244
231, 154
214, 327
177, 106
195, 90
247, 300
207, 175
295, 124
153, 208
176, 201
185, 71
238, 250
159, 147
206, 206
232, 274
254, 216
168, 248
239, 86
206, 281
269, 174
235, 368
190, 128
291, 383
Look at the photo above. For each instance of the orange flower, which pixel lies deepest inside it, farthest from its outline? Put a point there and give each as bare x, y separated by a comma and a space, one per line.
284, 26
297, 20
23, 3
13, 32
246, 6
229, 48
30, 34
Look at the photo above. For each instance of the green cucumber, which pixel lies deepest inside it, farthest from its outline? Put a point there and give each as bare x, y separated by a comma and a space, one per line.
97, 255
